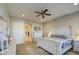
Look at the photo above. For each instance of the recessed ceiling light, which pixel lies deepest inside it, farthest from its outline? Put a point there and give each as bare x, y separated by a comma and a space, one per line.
75, 4
22, 14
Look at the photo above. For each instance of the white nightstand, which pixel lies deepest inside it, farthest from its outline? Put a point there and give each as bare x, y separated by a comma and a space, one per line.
76, 45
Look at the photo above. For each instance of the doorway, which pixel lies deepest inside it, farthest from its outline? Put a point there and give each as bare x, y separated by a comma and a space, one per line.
28, 33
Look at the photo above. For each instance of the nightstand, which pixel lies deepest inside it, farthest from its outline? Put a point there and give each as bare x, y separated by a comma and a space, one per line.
76, 45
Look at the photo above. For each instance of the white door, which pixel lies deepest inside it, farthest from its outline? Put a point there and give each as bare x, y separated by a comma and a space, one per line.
18, 31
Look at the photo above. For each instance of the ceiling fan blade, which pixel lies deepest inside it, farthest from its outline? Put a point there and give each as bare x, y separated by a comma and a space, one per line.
37, 12
38, 15
48, 14
43, 16
45, 11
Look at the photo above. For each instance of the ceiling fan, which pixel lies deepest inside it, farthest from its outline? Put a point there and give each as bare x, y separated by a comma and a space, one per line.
43, 13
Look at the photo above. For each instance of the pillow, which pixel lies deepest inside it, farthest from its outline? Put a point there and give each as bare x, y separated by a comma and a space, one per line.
61, 36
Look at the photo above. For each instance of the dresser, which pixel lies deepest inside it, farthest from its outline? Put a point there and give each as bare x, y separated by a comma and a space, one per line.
3, 44
37, 35
76, 45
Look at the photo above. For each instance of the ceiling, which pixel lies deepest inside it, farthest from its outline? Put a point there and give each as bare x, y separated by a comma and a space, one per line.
28, 9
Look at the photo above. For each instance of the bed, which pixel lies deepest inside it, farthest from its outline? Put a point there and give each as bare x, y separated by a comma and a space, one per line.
56, 44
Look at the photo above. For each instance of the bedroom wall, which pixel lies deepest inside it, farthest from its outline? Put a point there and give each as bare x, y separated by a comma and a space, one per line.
62, 22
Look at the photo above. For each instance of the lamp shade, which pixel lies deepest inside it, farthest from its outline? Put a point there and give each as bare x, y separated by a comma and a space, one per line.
49, 33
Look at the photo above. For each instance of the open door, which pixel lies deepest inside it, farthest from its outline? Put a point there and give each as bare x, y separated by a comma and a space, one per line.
28, 33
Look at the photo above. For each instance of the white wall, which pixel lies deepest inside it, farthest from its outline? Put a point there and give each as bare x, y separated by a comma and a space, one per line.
47, 27
3, 11
2, 25
62, 22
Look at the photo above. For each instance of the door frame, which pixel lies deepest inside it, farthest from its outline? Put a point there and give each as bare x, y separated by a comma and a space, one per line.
31, 31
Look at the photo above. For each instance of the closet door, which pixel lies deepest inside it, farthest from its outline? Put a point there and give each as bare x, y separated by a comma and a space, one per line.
18, 31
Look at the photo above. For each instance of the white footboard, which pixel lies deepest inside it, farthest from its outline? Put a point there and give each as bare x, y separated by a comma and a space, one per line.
51, 46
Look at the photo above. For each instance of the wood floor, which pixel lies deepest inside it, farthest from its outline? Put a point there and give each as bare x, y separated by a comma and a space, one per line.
30, 48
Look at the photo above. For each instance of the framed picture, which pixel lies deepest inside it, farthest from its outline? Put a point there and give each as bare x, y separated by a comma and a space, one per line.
35, 28
39, 28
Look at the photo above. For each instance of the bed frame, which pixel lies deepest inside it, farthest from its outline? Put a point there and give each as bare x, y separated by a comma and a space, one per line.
52, 47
